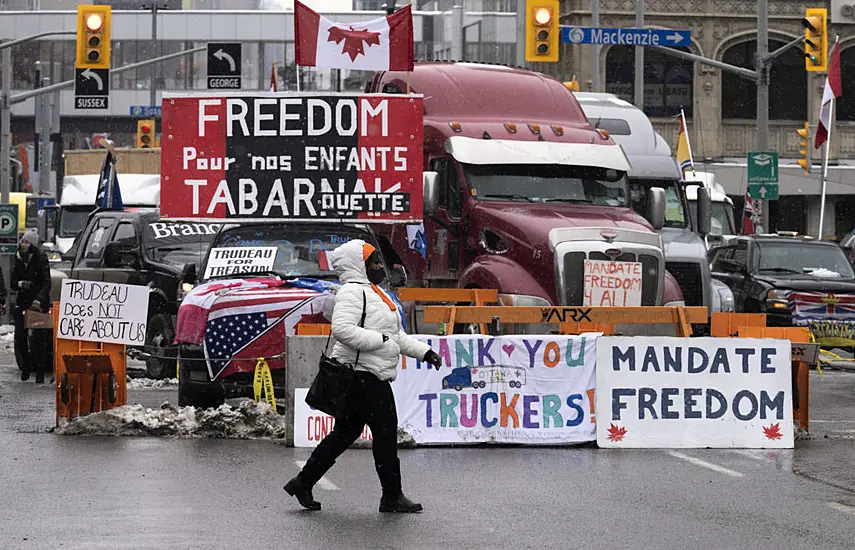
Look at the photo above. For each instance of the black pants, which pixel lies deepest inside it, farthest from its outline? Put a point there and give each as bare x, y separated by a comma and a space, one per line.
32, 360
372, 403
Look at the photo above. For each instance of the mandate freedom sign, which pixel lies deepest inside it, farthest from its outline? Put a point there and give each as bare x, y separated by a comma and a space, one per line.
612, 283
292, 156
312, 425
103, 312
506, 389
694, 393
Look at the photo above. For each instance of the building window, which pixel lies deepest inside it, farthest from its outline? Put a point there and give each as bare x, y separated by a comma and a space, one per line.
787, 84
844, 107
667, 80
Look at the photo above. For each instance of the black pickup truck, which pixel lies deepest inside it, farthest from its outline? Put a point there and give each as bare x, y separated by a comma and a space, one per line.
138, 248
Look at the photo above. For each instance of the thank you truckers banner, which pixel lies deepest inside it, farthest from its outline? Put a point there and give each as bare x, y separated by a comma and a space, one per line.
508, 389
310, 156
694, 392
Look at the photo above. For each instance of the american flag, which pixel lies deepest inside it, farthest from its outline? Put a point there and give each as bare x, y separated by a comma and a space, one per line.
247, 319
747, 213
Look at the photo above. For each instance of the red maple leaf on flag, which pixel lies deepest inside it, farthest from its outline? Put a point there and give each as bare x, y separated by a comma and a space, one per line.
616, 433
773, 431
354, 40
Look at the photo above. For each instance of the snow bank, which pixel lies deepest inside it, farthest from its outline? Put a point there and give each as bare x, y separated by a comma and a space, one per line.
249, 420
149, 383
824, 273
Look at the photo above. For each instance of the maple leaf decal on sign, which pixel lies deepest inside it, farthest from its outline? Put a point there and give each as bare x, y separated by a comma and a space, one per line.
616, 433
773, 431
354, 40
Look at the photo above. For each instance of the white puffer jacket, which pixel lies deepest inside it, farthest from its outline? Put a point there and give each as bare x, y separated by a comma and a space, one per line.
375, 356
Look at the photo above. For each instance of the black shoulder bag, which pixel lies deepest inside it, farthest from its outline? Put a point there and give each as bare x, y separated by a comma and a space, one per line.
333, 385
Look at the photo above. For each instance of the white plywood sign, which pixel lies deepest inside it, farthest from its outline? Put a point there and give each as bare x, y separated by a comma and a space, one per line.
224, 261
612, 283
694, 393
96, 311
312, 425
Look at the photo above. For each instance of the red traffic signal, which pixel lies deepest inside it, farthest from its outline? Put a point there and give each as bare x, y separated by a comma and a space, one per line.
542, 16
94, 21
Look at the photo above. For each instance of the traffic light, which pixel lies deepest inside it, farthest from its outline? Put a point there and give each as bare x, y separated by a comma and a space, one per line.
804, 148
542, 28
93, 37
145, 134
816, 39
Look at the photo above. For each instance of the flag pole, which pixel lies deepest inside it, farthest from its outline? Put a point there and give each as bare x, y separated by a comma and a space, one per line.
409, 72
825, 169
297, 69
688, 142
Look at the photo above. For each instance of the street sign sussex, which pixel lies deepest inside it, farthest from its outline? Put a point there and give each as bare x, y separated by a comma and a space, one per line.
91, 88
147, 111
8, 228
625, 37
224, 70
763, 175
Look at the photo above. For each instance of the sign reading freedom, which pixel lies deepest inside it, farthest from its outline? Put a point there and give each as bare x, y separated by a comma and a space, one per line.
307, 157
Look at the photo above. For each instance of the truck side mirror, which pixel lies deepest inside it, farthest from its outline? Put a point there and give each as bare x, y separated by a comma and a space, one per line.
431, 192
119, 255
656, 207
704, 211
188, 274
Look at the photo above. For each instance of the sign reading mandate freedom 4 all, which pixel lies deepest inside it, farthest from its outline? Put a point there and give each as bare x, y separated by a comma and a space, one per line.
305, 157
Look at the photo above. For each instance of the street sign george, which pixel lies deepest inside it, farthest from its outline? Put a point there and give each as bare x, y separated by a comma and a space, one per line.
91, 88
224, 70
763, 176
8, 228
147, 111
625, 37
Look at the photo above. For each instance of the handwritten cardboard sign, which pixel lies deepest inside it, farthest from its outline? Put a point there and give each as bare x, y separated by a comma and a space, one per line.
612, 283
234, 260
96, 311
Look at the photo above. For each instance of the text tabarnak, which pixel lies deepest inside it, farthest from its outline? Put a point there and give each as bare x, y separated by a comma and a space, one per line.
272, 117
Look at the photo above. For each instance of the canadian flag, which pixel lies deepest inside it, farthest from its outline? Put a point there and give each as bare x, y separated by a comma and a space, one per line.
383, 44
833, 89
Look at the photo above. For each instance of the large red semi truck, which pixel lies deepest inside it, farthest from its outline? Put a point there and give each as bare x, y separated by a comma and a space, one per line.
520, 190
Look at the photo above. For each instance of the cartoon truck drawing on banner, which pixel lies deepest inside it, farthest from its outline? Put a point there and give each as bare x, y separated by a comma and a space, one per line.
479, 377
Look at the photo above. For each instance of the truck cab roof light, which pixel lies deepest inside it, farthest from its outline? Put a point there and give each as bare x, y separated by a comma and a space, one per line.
456, 126
535, 128
511, 127
603, 133
558, 130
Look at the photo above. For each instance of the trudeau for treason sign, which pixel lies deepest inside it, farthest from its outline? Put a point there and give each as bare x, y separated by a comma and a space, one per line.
305, 157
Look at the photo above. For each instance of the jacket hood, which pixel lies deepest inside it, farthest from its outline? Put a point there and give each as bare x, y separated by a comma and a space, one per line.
348, 261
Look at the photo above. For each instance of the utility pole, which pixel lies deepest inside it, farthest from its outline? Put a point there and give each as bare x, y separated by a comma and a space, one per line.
153, 92
521, 33
5, 127
763, 93
45, 117
595, 49
639, 57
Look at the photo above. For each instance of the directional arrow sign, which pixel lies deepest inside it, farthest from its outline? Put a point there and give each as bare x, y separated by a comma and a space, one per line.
220, 54
91, 88
763, 191
224, 67
90, 74
625, 37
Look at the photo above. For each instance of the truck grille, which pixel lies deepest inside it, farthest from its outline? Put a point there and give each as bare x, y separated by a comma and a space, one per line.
574, 273
688, 276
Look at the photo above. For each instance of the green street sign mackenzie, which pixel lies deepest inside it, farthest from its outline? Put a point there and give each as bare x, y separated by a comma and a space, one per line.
763, 191
763, 176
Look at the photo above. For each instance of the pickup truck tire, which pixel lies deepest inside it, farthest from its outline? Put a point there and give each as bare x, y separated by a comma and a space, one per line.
159, 342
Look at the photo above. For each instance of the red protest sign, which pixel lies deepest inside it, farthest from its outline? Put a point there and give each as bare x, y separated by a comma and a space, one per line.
306, 157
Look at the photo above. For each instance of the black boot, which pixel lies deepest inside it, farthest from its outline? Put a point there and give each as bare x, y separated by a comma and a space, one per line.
393, 499
296, 488
25, 375
40, 377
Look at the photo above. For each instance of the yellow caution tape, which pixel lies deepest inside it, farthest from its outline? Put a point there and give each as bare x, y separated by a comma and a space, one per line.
263, 380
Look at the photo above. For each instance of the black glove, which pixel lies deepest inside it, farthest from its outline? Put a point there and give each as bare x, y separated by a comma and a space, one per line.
432, 358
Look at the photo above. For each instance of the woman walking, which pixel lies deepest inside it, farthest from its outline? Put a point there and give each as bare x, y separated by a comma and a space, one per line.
374, 347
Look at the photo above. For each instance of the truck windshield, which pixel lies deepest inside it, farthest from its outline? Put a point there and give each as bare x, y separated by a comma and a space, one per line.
675, 208
820, 261
287, 250
541, 183
73, 220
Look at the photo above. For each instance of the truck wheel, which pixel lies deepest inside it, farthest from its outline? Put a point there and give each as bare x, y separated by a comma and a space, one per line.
159, 338
458, 387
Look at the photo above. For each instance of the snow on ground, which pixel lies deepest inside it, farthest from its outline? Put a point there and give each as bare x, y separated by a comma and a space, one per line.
149, 383
248, 420
7, 337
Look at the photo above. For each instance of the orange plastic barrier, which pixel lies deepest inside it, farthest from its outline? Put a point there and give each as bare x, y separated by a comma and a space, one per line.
727, 325
90, 376
477, 296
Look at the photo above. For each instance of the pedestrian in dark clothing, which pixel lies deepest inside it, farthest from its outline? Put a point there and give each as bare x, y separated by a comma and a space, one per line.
374, 348
31, 280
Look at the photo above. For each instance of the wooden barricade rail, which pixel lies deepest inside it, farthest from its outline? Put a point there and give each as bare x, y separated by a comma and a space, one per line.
680, 316
477, 296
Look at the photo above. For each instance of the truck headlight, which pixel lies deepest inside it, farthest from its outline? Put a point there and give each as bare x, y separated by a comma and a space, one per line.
726, 301
184, 290
777, 299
